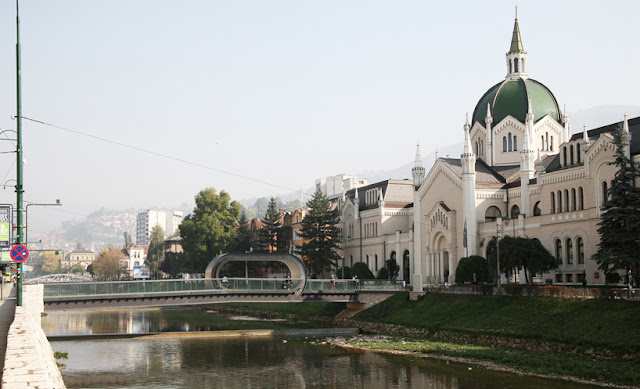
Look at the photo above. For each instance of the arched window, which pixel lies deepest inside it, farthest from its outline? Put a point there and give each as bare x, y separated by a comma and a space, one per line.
542, 143
569, 252
515, 211
551, 143
515, 143
604, 192
482, 147
558, 246
367, 259
571, 154
510, 67
566, 200
546, 145
559, 194
580, 198
578, 152
492, 214
376, 262
504, 143
552, 200
516, 65
564, 156
510, 142
536, 209
580, 244
573, 199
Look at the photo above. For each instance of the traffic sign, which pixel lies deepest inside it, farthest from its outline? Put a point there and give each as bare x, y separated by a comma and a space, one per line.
19, 253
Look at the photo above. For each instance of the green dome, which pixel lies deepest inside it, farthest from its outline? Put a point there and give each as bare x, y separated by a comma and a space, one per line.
510, 97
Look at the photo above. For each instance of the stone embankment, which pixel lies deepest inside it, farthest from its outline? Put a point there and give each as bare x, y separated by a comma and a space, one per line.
29, 360
54, 278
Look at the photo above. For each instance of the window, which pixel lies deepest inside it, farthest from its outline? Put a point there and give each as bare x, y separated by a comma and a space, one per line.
580, 244
558, 246
569, 252
552, 200
297, 218
536, 209
566, 200
551, 143
515, 143
515, 211
559, 278
571, 154
578, 154
569, 277
510, 142
504, 143
376, 263
492, 214
564, 156
516, 65
580, 278
580, 198
573, 199
559, 201
604, 192
510, 67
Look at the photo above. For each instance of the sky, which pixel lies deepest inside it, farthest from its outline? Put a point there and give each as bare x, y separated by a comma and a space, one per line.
150, 101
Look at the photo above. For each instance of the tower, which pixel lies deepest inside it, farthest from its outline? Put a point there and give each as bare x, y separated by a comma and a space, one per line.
468, 160
527, 161
516, 57
418, 170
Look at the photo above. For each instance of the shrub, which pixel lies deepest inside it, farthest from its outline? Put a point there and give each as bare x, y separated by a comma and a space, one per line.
362, 271
346, 270
383, 274
470, 265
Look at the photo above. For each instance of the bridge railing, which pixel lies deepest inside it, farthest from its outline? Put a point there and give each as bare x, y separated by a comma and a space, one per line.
167, 286
349, 285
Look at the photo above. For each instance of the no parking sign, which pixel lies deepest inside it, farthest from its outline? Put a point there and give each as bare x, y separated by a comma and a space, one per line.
19, 253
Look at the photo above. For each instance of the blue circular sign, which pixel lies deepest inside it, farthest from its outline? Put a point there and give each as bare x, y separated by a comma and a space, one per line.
19, 253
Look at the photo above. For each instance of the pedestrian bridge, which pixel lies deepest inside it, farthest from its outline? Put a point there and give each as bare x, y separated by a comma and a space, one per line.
199, 291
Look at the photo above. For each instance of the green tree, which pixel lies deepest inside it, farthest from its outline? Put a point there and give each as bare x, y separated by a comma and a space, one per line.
620, 220
320, 235
172, 263
243, 240
90, 269
156, 246
361, 270
468, 266
521, 253
270, 226
210, 229
78, 269
107, 264
128, 240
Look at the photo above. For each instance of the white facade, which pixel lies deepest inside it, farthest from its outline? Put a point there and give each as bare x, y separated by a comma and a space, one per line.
335, 185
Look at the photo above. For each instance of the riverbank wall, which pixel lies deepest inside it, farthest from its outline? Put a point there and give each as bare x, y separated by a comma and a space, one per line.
29, 361
566, 292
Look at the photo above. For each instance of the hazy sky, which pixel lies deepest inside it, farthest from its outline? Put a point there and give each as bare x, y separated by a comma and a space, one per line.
283, 92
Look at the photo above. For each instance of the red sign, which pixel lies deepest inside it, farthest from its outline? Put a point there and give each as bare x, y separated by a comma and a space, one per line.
19, 253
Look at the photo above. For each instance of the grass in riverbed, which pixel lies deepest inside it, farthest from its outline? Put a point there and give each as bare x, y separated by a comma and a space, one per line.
617, 371
305, 309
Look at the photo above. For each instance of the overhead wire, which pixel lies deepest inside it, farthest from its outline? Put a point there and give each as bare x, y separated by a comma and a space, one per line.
157, 154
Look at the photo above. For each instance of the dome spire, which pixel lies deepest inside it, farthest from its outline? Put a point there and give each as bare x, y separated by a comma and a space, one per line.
516, 57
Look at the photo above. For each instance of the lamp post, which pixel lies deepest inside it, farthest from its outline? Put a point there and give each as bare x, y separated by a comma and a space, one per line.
56, 204
19, 184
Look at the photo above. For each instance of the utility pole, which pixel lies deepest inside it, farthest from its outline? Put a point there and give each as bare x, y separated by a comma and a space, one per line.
19, 185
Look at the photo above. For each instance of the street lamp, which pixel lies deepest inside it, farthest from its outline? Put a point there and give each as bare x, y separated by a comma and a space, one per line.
56, 204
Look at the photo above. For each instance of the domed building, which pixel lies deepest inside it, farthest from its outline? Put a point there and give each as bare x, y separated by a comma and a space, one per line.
522, 173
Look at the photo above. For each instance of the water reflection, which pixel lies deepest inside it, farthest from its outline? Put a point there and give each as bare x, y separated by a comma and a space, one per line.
264, 363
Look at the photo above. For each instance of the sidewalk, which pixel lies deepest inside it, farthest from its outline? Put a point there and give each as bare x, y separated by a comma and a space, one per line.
7, 312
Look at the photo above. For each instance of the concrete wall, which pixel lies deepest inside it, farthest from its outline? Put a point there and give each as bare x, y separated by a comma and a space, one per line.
29, 361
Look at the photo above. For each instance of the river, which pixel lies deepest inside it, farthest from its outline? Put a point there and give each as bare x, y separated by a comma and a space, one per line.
241, 362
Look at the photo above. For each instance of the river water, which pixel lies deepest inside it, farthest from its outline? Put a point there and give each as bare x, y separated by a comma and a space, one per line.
241, 362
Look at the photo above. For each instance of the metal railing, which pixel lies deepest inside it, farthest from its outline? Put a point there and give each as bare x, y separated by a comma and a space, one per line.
215, 285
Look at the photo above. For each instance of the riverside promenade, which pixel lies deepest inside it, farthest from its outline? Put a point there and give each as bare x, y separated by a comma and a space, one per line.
28, 360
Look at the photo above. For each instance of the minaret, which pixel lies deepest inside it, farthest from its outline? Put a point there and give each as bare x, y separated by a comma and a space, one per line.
489, 151
527, 161
516, 57
418, 171
567, 126
625, 129
356, 205
468, 160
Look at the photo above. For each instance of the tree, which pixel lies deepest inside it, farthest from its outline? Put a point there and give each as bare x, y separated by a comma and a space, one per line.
50, 262
243, 240
392, 267
128, 240
468, 266
270, 226
172, 263
210, 229
79, 247
383, 274
156, 246
78, 269
521, 253
620, 220
90, 269
107, 264
320, 235
361, 270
